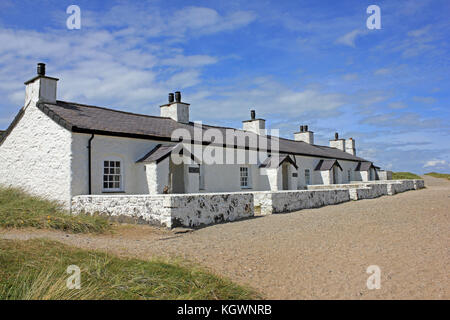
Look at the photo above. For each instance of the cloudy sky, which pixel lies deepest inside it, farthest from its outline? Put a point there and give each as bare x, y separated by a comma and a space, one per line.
295, 62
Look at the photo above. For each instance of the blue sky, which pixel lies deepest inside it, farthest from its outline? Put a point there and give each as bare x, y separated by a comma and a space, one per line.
294, 62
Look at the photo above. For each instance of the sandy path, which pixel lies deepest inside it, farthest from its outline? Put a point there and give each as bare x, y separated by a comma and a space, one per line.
317, 253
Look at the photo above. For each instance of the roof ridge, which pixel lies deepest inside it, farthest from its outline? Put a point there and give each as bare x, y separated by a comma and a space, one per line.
109, 109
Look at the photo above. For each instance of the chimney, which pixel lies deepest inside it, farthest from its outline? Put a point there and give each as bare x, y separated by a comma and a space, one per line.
350, 146
337, 143
304, 135
175, 109
40, 88
257, 126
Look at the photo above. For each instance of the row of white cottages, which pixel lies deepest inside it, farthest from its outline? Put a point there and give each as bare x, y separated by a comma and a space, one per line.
61, 149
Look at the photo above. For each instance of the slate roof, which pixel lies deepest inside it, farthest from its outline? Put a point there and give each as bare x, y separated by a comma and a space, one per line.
158, 153
103, 121
326, 165
364, 166
162, 151
282, 158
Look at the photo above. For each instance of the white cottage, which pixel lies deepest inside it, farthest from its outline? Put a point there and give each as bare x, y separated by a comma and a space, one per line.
59, 150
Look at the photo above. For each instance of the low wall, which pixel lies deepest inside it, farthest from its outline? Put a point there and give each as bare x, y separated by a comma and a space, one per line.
193, 210
189, 210
321, 195
154, 209
288, 201
204, 209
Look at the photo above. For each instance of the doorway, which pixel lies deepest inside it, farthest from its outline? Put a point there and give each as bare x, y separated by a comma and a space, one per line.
176, 177
335, 175
285, 176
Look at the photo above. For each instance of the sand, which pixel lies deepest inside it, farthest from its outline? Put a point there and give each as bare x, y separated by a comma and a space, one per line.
310, 254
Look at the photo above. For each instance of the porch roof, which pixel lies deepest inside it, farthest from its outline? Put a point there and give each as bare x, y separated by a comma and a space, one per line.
162, 151
364, 166
282, 158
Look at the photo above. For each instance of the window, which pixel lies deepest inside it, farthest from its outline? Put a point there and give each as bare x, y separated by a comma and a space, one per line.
112, 176
245, 178
307, 177
349, 175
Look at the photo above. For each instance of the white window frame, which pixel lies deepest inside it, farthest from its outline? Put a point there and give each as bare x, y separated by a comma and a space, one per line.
248, 185
308, 181
114, 174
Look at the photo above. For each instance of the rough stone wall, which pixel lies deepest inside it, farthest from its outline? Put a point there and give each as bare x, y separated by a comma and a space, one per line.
190, 210
204, 209
287, 201
151, 209
36, 157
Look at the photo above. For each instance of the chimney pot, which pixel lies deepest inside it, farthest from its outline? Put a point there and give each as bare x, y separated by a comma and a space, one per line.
306, 128
302, 128
171, 98
336, 136
41, 69
253, 114
178, 96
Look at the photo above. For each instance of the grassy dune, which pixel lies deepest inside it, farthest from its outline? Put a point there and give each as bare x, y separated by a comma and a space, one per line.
404, 175
18, 209
36, 269
439, 175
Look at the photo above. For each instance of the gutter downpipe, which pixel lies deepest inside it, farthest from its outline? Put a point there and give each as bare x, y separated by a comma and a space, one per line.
89, 164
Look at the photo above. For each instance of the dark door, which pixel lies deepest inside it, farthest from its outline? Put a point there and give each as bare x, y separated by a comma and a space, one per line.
176, 177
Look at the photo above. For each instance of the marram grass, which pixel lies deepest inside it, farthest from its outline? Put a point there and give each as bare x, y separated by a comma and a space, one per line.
439, 175
404, 175
19, 209
36, 270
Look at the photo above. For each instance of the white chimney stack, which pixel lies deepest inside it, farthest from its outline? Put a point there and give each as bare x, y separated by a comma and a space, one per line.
40, 88
254, 125
338, 143
175, 109
304, 135
350, 146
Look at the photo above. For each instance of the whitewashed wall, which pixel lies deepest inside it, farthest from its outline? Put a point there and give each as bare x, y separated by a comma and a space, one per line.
190, 210
36, 156
154, 209
104, 148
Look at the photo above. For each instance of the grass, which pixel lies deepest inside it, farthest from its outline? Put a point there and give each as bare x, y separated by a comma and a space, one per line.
36, 269
18, 210
404, 175
439, 175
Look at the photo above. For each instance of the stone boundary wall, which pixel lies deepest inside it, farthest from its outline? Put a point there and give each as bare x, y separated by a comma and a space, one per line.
151, 209
321, 195
188, 210
194, 210
288, 201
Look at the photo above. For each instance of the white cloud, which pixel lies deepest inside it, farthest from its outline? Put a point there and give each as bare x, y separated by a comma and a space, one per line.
189, 61
436, 163
426, 100
150, 21
350, 38
350, 76
382, 71
397, 105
